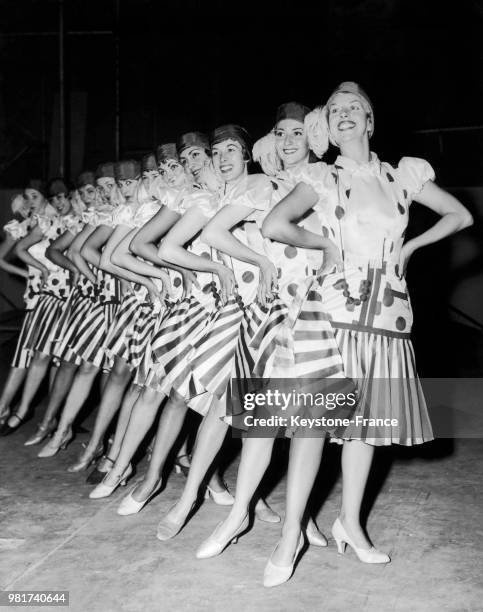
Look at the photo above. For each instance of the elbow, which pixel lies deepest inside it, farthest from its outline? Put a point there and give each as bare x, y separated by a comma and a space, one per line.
105, 262
271, 229
116, 259
17, 250
467, 219
135, 247
165, 251
207, 235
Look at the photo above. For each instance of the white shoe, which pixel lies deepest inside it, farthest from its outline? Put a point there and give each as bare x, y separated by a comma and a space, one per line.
104, 490
366, 555
212, 547
314, 536
222, 498
130, 506
264, 513
275, 575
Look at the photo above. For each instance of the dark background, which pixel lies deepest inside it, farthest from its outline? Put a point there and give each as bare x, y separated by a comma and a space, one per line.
195, 64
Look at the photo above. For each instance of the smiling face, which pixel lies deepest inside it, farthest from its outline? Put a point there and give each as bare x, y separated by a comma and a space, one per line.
291, 142
61, 203
193, 160
35, 199
88, 194
172, 173
348, 119
228, 160
106, 186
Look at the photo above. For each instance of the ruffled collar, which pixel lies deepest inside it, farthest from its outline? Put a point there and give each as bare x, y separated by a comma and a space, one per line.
372, 167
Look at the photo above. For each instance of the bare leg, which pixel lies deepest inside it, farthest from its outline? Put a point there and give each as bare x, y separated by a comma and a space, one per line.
142, 417
170, 425
356, 464
304, 463
36, 374
112, 395
255, 459
78, 394
210, 437
13, 383
62, 383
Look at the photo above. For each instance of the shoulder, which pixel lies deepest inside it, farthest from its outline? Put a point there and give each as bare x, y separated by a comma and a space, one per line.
411, 173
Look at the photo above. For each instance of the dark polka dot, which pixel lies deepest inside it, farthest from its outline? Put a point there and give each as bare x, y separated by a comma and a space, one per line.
325, 232
55, 281
401, 208
392, 247
292, 289
205, 255
332, 230
405, 193
248, 276
334, 174
102, 298
279, 272
207, 288
177, 282
340, 284
388, 299
290, 252
390, 177
347, 193
137, 287
274, 185
400, 323
339, 212
306, 270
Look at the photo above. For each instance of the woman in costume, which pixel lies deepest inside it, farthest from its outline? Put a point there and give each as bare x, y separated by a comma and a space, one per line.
364, 205
37, 274
14, 230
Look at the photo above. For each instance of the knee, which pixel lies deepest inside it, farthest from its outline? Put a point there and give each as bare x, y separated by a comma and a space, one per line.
119, 372
88, 369
150, 397
41, 359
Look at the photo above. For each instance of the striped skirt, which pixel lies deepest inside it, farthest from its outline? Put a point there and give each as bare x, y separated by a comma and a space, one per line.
131, 331
74, 314
89, 340
224, 351
172, 346
43, 328
373, 340
23, 355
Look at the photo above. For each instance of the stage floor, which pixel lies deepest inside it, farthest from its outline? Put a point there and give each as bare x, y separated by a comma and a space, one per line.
426, 514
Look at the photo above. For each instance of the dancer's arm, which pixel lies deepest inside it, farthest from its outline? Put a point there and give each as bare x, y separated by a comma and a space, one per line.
5, 247
22, 246
218, 235
122, 256
74, 252
281, 225
172, 250
454, 217
91, 250
106, 263
146, 239
55, 252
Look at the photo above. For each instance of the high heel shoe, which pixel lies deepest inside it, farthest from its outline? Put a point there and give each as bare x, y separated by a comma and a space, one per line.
179, 467
51, 449
6, 429
275, 575
314, 536
97, 475
366, 555
84, 461
168, 529
43, 431
212, 547
222, 498
264, 513
130, 506
104, 490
